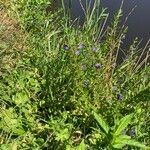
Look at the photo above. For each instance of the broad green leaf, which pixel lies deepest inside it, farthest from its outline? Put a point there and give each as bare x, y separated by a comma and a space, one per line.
123, 123
10, 122
118, 146
136, 144
14, 146
101, 122
82, 146
19, 131
122, 138
68, 147
120, 141
20, 98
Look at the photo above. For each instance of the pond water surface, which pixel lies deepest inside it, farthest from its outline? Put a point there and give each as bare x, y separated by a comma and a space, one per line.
138, 22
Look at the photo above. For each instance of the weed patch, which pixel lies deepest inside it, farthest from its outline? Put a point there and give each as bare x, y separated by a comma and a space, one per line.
65, 89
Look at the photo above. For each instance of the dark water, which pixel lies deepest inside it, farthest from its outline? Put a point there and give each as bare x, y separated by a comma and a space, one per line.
138, 22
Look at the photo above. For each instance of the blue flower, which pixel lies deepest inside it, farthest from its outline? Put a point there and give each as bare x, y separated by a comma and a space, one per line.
66, 47
81, 46
119, 97
97, 65
77, 52
94, 49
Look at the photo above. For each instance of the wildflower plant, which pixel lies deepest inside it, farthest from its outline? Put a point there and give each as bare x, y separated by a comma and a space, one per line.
65, 91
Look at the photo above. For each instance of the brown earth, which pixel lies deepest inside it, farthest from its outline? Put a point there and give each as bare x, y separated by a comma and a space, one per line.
10, 32
12, 40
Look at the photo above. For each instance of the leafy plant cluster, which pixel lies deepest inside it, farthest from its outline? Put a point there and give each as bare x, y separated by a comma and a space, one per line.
67, 91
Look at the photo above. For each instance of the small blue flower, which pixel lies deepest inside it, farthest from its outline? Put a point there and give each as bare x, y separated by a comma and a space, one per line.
119, 97
94, 49
77, 52
81, 46
66, 47
97, 65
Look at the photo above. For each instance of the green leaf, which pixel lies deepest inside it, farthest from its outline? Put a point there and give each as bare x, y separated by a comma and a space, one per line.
120, 141
118, 146
101, 122
19, 131
10, 122
82, 146
123, 140
20, 98
14, 146
123, 123
123, 66
136, 144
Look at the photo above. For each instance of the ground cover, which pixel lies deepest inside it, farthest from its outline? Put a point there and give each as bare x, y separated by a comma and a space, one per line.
61, 87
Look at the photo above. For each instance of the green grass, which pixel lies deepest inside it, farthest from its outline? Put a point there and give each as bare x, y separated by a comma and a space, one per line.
65, 90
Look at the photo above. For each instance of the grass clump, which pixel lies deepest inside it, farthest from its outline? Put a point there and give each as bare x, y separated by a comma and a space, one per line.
67, 90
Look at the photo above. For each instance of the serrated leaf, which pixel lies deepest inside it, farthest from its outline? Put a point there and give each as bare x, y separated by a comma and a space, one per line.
122, 138
123, 123
120, 141
136, 144
102, 123
118, 146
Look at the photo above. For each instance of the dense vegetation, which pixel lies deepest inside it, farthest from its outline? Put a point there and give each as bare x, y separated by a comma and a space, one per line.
61, 86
